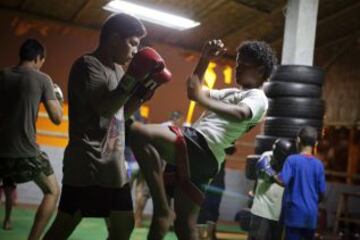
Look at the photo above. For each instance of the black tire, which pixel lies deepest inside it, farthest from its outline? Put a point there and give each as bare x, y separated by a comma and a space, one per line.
288, 127
264, 143
296, 107
299, 74
287, 89
250, 170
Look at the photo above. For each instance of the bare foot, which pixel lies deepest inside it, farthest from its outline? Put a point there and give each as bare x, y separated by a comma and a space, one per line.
7, 225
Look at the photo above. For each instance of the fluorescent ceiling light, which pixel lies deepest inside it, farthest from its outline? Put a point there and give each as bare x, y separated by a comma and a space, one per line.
151, 15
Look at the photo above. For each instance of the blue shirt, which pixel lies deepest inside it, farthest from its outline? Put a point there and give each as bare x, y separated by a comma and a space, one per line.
304, 180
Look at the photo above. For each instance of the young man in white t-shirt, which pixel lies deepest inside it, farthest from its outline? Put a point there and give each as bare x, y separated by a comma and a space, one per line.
229, 114
266, 207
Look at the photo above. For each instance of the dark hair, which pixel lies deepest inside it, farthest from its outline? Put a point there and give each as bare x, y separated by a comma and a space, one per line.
308, 136
259, 53
123, 24
31, 49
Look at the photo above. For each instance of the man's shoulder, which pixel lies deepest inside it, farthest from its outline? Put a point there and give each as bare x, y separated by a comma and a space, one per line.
37, 74
86, 59
252, 91
228, 90
91, 60
318, 163
255, 92
301, 157
294, 157
42, 75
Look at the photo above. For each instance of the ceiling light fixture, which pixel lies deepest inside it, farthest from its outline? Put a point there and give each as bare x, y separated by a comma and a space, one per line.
151, 15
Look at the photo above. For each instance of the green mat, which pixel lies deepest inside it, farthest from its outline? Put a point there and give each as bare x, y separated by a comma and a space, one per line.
88, 229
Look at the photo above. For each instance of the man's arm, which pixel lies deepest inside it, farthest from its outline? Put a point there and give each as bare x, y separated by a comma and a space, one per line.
109, 103
131, 106
52, 99
202, 96
286, 173
281, 178
210, 50
278, 180
238, 112
144, 63
54, 110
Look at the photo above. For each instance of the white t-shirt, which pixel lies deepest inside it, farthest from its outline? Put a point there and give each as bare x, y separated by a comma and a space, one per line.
268, 196
220, 133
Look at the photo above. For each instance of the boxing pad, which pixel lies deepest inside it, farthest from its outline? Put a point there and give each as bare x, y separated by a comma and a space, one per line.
282, 148
58, 93
145, 62
263, 164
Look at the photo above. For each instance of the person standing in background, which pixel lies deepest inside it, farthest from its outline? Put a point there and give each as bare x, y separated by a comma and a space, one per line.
22, 89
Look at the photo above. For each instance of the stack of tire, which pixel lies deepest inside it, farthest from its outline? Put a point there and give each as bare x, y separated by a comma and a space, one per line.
294, 94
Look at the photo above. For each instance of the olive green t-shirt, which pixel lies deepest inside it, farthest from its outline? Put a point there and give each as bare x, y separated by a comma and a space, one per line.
95, 152
21, 91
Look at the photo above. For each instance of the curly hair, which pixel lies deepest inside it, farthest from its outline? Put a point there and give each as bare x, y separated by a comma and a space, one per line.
259, 53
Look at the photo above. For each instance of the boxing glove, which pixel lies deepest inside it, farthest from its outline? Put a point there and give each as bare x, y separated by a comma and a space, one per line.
146, 88
58, 93
144, 63
263, 165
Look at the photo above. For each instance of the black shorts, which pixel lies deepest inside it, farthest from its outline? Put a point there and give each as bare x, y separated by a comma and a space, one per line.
95, 201
202, 163
22, 170
262, 228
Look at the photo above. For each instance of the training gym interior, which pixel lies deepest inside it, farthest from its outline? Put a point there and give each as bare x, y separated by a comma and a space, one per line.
317, 83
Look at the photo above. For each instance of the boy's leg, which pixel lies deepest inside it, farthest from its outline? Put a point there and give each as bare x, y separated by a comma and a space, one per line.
120, 225
63, 226
50, 189
308, 233
141, 198
260, 228
187, 213
292, 233
149, 142
210, 208
276, 230
9, 187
